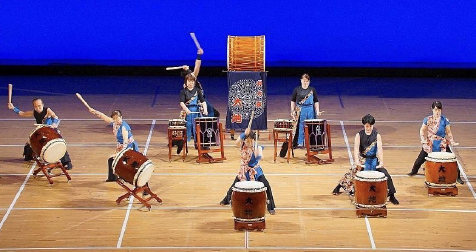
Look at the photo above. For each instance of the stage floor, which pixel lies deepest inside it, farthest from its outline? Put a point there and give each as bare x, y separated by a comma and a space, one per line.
83, 215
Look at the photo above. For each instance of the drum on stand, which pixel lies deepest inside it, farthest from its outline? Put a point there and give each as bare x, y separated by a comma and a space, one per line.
133, 167
209, 131
317, 133
177, 124
47, 143
441, 172
248, 202
370, 193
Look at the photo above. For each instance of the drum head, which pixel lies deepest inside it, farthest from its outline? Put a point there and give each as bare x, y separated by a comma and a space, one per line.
54, 150
247, 186
314, 120
144, 173
370, 176
441, 155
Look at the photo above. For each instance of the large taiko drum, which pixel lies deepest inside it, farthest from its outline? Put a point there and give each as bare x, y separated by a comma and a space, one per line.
283, 125
317, 130
248, 201
441, 169
47, 143
370, 189
133, 167
209, 132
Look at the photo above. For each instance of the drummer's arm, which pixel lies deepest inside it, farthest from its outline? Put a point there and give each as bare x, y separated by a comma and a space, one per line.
424, 134
316, 107
379, 150
293, 107
449, 135
184, 107
101, 115
19, 112
125, 137
52, 114
198, 63
259, 153
356, 149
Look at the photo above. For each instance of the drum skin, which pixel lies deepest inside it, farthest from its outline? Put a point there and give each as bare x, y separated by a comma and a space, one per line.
128, 163
369, 191
47, 143
440, 169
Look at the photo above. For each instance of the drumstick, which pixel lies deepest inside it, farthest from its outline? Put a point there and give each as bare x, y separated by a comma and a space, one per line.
174, 68
10, 90
82, 100
251, 119
195, 40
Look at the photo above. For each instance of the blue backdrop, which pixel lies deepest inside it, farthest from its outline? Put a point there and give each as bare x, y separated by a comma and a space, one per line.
298, 33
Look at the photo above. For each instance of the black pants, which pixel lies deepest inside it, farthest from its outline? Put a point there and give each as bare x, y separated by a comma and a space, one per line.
65, 159
390, 186
110, 174
421, 159
261, 179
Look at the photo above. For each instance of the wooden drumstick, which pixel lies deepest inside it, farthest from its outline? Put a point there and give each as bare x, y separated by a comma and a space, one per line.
83, 101
10, 90
251, 119
174, 68
192, 34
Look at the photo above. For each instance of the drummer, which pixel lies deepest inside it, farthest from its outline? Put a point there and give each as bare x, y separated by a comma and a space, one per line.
123, 133
435, 136
250, 169
189, 98
305, 97
368, 154
43, 115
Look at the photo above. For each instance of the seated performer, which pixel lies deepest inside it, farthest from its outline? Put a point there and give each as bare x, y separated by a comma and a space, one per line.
122, 132
43, 115
189, 98
250, 168
305, 97
436, 136
368, 154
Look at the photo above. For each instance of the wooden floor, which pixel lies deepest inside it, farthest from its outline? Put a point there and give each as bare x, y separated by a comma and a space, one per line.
83, 215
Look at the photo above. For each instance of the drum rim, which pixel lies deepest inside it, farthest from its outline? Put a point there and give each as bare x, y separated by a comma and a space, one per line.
360, 178
315, 120
116, 159
48, 144
261, 187
141, 169
205, 117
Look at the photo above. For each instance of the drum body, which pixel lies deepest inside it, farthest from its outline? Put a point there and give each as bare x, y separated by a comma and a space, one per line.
370, 189
209, 132
177, 124
248, 201
133, 167
441, 169
317, 129
283, 125
47, 143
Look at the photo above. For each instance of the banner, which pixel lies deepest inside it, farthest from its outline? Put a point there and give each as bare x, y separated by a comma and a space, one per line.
246, 92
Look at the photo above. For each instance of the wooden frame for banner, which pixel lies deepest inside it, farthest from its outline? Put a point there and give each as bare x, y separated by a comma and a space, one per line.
246, 53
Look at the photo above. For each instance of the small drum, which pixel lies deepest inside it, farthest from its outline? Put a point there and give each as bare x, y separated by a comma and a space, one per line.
47, 143
317, 129
209, 132
283, 125
370, 189
133, 167
248, 201
441, 169
177, 124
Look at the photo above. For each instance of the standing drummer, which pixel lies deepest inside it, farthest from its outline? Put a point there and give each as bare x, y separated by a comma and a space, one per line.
123, 133
190, 96
368, 154
250, 169
43, 115
305, 97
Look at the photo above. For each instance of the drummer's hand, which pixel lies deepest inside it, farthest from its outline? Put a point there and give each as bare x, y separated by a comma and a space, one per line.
205, 113
454, 143
10, 106
188, 111
318, 113
54, 125
200, 51
379, 166
247, 131
185, 67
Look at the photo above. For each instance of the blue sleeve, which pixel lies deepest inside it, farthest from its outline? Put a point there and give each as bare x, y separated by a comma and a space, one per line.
425, 121
447, 122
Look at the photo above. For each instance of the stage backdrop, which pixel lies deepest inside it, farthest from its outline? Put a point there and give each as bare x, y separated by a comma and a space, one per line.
246, 92
402, 33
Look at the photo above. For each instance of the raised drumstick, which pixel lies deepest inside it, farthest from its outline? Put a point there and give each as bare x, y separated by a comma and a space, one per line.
174, 68
83, 101
251, 119
192, 34
10, 90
